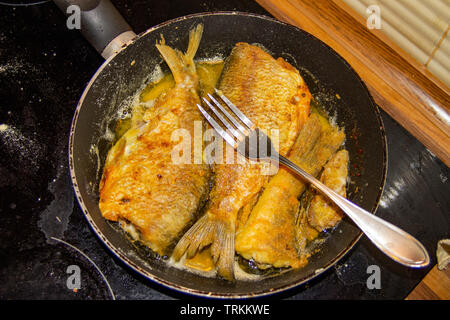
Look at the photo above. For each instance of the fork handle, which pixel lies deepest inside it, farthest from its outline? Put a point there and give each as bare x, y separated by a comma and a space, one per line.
393, 241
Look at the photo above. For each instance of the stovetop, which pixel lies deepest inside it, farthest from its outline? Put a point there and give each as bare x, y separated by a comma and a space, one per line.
45, 241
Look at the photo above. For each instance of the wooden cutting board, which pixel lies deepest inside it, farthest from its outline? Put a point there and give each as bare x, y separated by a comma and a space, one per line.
400, 86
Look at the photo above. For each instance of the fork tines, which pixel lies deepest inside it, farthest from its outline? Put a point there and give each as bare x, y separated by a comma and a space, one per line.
238, 130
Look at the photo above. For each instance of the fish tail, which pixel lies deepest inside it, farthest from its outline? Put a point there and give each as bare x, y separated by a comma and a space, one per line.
174, 60
195, 35
198, 234
222, 250
180, 64
210, 230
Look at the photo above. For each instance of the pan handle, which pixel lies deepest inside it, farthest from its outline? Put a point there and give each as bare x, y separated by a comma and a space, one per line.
100, 23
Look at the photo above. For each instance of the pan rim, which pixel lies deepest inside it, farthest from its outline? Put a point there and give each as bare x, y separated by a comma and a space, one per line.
196, 292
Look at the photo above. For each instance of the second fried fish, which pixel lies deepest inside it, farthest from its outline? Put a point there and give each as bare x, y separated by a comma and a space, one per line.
274, 96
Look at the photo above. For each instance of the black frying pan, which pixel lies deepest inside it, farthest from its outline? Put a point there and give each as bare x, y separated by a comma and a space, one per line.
331, 80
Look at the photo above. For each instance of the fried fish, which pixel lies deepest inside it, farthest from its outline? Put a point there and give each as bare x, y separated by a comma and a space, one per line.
322, 213
274, 96
269, 236
141, 185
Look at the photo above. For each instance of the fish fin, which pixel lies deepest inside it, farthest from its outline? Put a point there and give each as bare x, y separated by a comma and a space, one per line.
195, 35
180, 63
198, 232
174, 60
222, 250
210, 230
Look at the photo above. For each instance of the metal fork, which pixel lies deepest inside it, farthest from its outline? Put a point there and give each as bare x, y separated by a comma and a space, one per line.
244, 136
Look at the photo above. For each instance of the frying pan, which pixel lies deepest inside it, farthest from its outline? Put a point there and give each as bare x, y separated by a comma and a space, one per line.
331, 80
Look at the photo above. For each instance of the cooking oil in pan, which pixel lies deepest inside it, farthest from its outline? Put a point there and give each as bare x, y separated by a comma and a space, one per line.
208, 72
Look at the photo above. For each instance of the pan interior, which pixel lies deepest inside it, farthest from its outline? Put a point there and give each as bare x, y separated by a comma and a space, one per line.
331, 81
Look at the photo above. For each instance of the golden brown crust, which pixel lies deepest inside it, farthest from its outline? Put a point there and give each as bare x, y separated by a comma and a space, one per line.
264, 89
271, 235
322, 213
141, 184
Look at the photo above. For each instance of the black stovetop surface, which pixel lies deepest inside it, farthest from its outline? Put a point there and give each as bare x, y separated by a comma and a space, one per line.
44, 68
